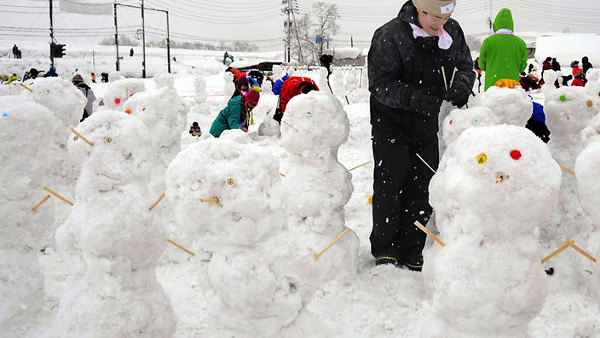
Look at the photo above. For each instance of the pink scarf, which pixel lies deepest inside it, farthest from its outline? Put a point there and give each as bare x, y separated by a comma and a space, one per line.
444, 42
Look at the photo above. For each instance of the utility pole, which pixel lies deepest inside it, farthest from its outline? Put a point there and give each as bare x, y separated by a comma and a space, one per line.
51, 36
168, 45
116, 36
490, 16
143, 44
351, 41
294, 8
288, 26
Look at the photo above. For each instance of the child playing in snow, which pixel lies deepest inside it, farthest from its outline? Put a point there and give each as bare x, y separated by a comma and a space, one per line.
537, 122
195, 129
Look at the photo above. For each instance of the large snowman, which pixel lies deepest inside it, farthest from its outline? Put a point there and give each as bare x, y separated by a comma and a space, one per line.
109, 239
493, 187
24, 128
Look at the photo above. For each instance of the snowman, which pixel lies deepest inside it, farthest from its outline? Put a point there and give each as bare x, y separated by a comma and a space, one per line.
492, 188
318, 186
119, 91
460, 120
227, 194
24, 128
110, 240
510, 105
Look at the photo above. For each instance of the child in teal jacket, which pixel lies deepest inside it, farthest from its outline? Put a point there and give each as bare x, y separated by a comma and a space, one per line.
235, 115
502, 55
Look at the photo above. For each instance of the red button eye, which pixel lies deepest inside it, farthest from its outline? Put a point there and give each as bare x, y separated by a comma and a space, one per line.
515, 154
117, 101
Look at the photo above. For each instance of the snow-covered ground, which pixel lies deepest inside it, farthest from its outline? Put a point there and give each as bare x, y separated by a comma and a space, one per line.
376, 302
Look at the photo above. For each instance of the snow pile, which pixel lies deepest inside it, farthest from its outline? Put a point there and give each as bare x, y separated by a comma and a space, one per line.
591, 132
200, 94
110, 240
460, 120
511, 106
24, 128
164, 80
492, 188
119, 91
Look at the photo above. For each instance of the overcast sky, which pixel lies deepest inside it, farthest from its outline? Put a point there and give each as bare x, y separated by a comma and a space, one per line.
261, 21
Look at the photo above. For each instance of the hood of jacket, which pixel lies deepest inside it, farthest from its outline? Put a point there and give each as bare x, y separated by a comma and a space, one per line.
408, 13
504, 20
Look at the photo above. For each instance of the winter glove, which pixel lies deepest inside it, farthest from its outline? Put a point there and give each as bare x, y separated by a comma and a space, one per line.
508, 83
278, 115
426, 104
458, 94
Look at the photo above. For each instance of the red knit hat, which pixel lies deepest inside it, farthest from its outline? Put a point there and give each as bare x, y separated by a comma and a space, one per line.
252, 96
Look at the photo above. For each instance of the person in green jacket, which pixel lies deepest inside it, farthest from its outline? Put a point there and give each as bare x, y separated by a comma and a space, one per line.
502, 55
235, 115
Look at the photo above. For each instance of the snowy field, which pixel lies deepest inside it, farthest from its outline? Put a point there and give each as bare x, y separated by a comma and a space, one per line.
346, 295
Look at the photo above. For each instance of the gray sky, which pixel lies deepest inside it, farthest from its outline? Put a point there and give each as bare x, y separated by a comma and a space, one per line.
261, 21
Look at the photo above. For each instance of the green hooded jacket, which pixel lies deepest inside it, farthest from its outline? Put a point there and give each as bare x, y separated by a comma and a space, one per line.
502, 55
229, 117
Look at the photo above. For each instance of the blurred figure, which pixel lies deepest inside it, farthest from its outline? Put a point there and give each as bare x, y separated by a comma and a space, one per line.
195, 130
293, 86
12, 78
31, 74
88, 93
51, 72
16, 52
585, 63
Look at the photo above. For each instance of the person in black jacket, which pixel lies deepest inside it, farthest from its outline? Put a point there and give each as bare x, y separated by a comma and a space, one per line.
407, 87
585, 64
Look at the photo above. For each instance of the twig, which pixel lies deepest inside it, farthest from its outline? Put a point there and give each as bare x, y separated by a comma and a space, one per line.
332, 243
348, 101
358, 166
452, 79
158, 201
81, 137
567, 170
42, 202
427, 164
59, 196
24, 86
282, 175
559, 250
425, 230
209, 200
289, 125
182, 248
581, 251
444, 75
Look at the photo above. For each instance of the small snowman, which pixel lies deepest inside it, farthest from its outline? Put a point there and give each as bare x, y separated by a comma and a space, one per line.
119, 91
24, 128
493, 187
110, 240
510, 105
460, 120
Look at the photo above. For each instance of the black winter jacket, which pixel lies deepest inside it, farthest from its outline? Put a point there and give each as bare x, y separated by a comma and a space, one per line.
400, 65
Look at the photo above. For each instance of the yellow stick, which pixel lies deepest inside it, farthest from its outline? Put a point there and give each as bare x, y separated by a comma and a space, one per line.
567, 170
289, 125
24, 86
59, 196
158, 201
182, 248
209, 200
427, 164
444, 75
42, 202
561, 249
282, 175
425, 230
332, 243
81, 137
358, 166
581, 251
452, 79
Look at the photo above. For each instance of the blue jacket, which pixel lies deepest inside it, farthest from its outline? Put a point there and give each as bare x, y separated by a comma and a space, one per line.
229, 117
278, 84
538, 112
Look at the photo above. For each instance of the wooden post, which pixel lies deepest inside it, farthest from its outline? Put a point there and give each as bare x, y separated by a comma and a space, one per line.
42, 202
182, 248
158, 201
552, 255
358, 166
59, 196
81, 137
332, 243
425, 230
427, 164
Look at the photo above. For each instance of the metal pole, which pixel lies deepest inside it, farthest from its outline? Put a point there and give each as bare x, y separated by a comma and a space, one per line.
118, 66
168, 45
51, 36
289, 32
143, 43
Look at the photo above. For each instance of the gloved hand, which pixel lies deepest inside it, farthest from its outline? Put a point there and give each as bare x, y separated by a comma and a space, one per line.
458, 94
425, 103
508, 83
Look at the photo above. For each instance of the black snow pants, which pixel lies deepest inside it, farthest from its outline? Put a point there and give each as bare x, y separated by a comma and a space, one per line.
401, 194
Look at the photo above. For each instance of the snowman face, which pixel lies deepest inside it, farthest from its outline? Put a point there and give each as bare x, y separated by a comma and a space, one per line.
314, 121
510, 106
568, 110
61, 97
118, 92
502, 172
460, 120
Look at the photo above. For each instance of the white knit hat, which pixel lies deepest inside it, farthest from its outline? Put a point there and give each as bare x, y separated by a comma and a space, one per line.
438, 7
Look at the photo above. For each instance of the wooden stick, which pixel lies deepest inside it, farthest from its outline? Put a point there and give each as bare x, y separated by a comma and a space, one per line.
452, 79
444, 75
348, 101
581, 251
81, 137
360, 79
42, 202
567, 170
209, 200
425, 230
158, 201
59, 196
24, 86
282, 175
329, 85
561, 249
332, 243
427, 164
289, 125
358, 166
182, 248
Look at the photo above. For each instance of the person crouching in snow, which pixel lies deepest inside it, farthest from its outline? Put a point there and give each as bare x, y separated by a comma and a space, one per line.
195, 129
235, 115
293, 86
88, 93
